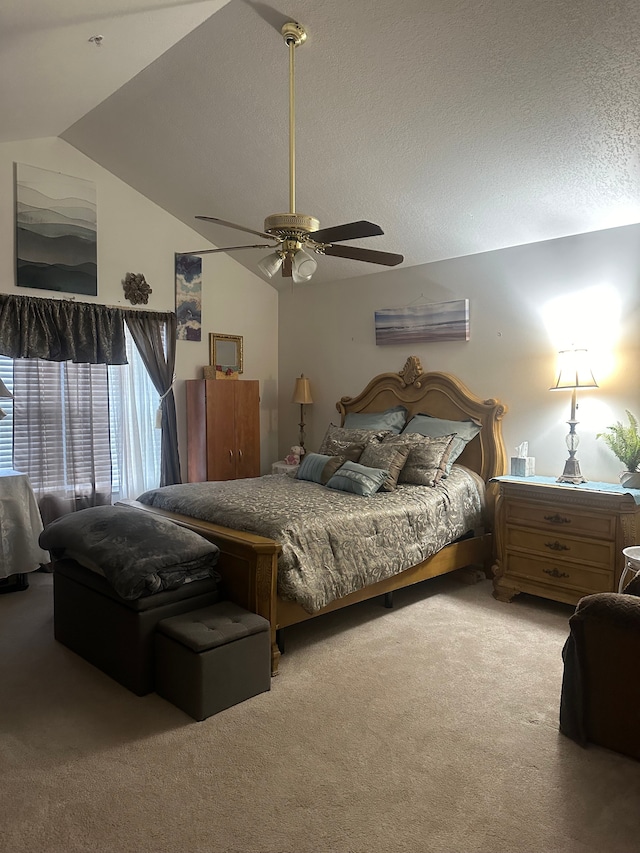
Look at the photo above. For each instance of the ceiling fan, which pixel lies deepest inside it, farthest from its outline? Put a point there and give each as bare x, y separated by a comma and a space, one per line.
298, 236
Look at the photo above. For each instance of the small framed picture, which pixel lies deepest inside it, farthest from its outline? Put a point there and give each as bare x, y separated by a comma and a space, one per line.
225, 353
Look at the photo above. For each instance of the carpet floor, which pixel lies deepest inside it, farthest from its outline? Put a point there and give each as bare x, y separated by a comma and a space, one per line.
429, 727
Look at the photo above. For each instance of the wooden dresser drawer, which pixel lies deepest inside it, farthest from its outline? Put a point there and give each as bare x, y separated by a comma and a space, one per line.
561, 518
553, 545
558, 573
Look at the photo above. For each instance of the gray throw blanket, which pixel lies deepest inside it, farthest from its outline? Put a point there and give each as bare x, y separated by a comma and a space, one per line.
138, 554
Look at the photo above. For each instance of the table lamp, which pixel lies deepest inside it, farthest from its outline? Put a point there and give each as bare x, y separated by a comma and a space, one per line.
302, 395
574, 372
4, 392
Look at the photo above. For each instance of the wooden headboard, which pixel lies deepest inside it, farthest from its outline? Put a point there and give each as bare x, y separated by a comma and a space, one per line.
442, 396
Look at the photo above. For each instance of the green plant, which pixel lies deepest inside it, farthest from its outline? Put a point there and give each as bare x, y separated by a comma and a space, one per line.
624, 441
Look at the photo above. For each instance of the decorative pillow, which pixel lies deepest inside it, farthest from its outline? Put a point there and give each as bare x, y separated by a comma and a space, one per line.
337, 439
138, 553
391, 419
434, 427
319, 468
389, 456
427, 459
358, 479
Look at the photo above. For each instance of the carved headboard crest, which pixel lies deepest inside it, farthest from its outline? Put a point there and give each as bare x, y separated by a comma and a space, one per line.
411, 371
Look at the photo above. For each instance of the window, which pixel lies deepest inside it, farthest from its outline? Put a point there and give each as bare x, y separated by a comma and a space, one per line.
90, 427
6, 424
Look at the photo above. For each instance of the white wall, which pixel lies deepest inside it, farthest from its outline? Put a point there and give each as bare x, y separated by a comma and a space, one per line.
135, 235
327, 332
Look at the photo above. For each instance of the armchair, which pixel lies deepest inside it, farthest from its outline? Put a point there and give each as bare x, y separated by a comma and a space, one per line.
600, 700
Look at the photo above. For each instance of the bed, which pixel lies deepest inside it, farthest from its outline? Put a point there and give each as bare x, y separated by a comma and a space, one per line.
256, 568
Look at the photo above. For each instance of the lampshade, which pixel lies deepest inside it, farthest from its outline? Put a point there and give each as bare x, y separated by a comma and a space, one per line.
303, 266
302, 391
574, 370
271, 264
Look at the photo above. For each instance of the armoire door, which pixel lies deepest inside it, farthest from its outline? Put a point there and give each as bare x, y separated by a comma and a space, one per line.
247, 427
222, 447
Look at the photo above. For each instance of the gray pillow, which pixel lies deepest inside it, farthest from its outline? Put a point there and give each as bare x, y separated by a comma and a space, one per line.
434, 427
337, 439
138, 553
357, 479
391, 419
389, 456
319, 468
427, 460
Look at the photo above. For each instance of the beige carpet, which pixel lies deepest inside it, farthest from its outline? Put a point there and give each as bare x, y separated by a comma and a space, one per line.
431, 727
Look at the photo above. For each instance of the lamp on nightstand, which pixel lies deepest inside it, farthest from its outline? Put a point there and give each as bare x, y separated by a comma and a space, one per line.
4, 392
574, 372
302, 395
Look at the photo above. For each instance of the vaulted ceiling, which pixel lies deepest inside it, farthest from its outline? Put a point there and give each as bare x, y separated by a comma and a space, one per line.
458, 126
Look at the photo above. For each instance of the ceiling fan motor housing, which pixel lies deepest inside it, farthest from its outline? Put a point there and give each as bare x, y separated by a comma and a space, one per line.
294, 224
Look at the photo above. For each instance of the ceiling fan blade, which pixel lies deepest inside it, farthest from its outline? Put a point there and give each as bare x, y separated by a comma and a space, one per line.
237, 227
287, 267
350, 231
354, 253
230, 249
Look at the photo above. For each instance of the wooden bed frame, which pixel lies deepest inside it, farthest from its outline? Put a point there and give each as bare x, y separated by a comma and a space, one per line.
249, 563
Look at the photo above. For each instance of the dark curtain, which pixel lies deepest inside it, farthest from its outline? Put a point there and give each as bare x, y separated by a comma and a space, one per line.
146, 331
61, 330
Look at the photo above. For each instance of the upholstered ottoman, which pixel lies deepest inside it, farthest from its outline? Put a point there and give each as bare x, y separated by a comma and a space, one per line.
117, 573
210, 659
112, 633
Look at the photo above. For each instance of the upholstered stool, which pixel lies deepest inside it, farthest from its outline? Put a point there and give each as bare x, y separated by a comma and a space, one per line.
210, 659
112, 633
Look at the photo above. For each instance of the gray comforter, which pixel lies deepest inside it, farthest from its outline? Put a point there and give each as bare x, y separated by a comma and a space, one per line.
334, 543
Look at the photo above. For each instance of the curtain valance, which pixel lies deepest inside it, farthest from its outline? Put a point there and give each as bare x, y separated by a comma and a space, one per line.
61, 330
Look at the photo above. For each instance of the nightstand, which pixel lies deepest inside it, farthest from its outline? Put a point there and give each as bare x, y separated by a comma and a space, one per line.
281, 467
561, 541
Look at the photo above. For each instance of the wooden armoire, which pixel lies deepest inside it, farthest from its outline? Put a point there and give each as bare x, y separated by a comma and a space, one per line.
223, 429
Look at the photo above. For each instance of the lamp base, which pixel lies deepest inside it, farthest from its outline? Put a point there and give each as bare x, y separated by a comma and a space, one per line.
572, 472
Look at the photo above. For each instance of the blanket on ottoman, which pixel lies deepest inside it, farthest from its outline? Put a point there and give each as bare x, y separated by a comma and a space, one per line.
137, 554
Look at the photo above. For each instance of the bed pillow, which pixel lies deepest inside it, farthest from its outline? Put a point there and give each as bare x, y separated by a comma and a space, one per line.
357, 479
427, 460
337, 439
391, 419
319, 468
434, 427
137, 553
389, 456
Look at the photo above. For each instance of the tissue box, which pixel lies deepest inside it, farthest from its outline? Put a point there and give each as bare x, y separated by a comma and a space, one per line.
523, 466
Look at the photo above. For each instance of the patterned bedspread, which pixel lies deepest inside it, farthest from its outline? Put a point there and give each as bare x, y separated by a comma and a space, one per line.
334, 543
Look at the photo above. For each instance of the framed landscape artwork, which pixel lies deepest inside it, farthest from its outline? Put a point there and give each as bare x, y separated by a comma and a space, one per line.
437, 321
189, 297
55, 231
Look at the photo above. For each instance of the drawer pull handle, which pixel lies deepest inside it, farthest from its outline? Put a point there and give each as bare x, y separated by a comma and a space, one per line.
231, 454
554, 573
556, 546
557, 519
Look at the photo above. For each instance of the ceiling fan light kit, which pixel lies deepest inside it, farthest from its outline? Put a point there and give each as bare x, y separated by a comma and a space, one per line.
297, 235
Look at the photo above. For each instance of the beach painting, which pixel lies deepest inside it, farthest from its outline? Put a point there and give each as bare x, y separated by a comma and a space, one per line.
437, 321
55, 231
188, 297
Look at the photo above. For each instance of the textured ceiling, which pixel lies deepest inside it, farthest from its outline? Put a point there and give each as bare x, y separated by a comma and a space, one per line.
458, 126
52, 74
